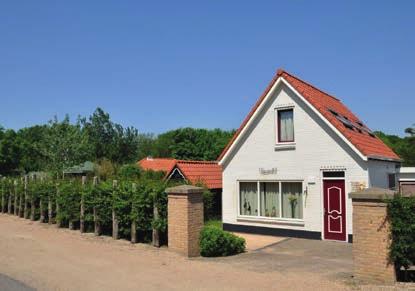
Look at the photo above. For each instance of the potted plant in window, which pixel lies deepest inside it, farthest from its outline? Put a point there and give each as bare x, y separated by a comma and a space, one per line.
293, 202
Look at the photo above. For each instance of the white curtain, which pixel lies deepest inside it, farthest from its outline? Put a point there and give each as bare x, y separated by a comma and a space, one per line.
248, 198
292, 200
269, 199
286, 125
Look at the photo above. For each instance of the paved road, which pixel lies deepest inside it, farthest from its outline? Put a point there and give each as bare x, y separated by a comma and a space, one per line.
9, 284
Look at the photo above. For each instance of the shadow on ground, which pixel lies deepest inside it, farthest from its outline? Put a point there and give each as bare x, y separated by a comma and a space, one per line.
329, 259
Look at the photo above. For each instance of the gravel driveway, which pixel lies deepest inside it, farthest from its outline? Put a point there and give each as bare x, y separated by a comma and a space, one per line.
47, 258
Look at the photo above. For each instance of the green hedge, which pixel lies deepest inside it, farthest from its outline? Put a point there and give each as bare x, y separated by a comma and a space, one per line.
215, 242
401, 211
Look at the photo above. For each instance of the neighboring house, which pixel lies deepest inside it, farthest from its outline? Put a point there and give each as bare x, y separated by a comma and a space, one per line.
209, 173
86, 168
290, 166
406, 179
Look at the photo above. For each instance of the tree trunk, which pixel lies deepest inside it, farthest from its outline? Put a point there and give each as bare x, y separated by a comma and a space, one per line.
26, 200
82, 214
156, 234
114, 215
50, 211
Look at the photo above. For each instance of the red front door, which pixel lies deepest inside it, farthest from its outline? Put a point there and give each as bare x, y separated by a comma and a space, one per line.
334, 210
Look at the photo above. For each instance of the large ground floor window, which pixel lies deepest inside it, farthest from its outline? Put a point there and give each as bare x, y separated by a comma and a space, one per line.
271, 199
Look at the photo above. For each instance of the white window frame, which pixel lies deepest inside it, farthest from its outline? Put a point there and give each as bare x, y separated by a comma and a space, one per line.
299, 221
285, 144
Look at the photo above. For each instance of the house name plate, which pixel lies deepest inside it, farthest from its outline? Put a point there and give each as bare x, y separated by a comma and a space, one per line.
271, 171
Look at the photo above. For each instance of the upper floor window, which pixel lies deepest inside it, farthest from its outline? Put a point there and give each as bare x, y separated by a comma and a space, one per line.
285, 125
392, 181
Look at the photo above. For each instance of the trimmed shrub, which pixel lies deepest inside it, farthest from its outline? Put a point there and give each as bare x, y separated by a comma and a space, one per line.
401, 211
215, 242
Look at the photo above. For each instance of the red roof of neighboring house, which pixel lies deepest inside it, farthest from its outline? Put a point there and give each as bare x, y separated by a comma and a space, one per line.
164, 165
360, 136
206, 172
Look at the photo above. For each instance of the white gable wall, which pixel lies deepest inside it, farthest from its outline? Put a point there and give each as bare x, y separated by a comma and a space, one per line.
316, 146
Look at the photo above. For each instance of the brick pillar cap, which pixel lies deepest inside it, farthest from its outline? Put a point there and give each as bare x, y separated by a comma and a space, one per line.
372, 194
184, 189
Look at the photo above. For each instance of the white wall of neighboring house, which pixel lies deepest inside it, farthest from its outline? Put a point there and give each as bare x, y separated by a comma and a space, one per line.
379, 171
316, 147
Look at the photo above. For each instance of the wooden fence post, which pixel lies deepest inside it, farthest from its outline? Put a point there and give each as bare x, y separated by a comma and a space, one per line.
9, 205
156, 233
26, 200
82, 214
41, 206
15, 208
114, 215
3, 198
97, 223
133, 221
50, 210
32, 205
58, 221
21, 198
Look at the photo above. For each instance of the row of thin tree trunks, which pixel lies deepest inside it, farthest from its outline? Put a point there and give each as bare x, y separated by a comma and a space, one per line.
19, 206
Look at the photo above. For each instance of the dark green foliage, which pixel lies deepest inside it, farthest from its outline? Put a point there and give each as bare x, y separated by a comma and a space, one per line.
129, 172
404, 147
401, 211
103, 200
68, 198
185, 143
215, 242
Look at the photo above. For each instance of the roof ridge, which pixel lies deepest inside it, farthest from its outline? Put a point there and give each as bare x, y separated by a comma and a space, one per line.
197, 162
282, 71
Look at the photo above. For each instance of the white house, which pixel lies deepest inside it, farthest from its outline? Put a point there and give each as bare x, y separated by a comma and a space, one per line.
406, 179
296, 156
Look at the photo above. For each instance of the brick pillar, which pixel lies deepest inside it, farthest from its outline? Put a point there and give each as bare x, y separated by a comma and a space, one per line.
371, 236
185, 219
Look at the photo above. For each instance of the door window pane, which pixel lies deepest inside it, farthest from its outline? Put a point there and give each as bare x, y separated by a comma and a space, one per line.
248, 198
292, 200
269, 198
285, 125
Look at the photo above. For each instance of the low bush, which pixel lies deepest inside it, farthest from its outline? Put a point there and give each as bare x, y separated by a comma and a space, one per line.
215, 242
401, 211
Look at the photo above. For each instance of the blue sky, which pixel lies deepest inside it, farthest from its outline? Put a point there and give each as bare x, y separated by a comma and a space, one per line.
159, 65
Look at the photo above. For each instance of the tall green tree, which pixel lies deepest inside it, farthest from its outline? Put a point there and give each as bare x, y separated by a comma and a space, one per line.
9, 152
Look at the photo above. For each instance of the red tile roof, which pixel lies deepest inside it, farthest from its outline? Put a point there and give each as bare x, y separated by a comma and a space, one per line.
155, 164
207, 172
370, 146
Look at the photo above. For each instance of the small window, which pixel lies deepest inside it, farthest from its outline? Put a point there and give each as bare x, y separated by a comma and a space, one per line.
285, 125
392, 181
333, 174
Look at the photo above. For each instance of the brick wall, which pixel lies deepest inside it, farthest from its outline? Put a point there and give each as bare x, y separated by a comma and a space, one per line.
185, 219
371, 240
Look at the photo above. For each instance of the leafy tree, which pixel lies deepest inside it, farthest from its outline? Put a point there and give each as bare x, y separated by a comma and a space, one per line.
9, 152
65, 144
404, 147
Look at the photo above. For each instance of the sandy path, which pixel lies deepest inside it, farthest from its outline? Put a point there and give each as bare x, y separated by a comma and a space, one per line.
47, 258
